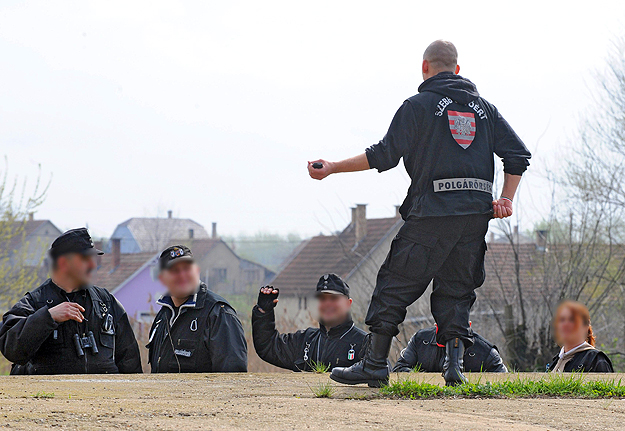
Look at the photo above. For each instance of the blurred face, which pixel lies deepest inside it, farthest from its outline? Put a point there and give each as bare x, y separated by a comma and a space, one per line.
77, 267
181, 279
333, 309
571, 332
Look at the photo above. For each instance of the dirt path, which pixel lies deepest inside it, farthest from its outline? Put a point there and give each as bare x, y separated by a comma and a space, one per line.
272, 401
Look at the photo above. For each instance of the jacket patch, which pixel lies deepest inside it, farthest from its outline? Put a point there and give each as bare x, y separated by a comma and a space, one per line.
453, 184
462, 126
182, 352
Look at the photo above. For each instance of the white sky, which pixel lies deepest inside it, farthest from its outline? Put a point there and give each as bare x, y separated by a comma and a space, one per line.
212, 109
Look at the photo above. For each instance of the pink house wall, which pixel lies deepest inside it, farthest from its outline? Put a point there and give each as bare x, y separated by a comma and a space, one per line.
140, 293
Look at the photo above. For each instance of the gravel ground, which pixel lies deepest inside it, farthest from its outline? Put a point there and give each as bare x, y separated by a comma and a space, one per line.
276, 402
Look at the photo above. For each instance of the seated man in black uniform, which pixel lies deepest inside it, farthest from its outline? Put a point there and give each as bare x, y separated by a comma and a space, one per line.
337, 341
66, 325
196, 330
423, 353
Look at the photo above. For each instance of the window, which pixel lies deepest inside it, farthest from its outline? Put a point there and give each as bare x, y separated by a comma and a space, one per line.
252, 275
221, 275
303, 304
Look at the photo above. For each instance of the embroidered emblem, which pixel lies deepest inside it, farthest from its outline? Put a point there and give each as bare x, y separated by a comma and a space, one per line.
306, 350
462, 126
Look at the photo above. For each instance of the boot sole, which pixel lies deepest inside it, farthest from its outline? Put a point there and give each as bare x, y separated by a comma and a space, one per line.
370, 383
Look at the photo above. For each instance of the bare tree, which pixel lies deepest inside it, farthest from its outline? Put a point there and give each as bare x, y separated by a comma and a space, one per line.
16, 202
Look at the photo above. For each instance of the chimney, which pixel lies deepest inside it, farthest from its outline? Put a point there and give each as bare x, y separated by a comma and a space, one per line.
100, 246
359, 221
190, 233
169, 213
541, 240
214, 233
31, 216
397, 214
116, 248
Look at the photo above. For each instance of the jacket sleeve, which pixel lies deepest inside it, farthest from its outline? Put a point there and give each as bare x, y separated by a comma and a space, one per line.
401, 135
602, 364
407, 358
494, 363
24, 330
510, 148
271, 346
226, 341
127, 356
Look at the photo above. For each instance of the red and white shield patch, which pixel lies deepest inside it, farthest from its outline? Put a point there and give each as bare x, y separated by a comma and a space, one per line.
462, 126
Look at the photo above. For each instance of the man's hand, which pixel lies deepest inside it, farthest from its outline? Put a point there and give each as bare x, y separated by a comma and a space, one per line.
67, 311
502, 208
267, 298
321, 173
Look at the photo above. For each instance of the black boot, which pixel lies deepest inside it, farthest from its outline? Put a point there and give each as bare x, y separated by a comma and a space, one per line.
373, 369
454, 363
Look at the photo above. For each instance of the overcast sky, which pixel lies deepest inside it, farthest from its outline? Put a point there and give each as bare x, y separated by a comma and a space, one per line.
212, 109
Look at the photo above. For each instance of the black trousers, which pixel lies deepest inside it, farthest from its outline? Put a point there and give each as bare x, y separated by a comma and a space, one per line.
449, 250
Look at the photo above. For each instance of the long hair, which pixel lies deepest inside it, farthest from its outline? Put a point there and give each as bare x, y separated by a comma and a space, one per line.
580, 314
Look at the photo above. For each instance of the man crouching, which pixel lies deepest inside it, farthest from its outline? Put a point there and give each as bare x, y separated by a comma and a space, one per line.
196, 330
336, 343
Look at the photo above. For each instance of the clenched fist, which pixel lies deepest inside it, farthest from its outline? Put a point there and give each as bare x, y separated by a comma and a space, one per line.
502, 208
67, 311
267, 298
326, 169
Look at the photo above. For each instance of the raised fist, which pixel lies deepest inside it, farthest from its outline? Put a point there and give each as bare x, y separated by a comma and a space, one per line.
267, 298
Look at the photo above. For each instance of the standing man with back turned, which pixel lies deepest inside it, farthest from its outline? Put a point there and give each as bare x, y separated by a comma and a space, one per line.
447, 135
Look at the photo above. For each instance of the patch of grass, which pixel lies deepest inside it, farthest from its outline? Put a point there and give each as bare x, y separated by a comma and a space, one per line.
319, 367
323, 390
552, 385
44, 395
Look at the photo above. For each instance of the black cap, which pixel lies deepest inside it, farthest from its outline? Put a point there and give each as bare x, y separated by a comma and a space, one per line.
332, 283
74, 241
174, 254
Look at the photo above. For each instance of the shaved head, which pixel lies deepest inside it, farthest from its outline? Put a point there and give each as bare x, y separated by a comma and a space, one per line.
442, 56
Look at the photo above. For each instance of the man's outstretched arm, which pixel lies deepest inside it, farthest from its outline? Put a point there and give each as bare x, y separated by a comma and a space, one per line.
354, 164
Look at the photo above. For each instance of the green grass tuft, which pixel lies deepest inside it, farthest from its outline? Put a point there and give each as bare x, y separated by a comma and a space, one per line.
319, 367
44, 395
552, 385
323, 390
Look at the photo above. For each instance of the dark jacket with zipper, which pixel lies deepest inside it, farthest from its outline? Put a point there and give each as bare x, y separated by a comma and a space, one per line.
204, 335
447, 135
298, 351
424, 354
587, 361
36, 344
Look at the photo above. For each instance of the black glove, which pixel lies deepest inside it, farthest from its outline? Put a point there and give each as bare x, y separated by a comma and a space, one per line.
265, 300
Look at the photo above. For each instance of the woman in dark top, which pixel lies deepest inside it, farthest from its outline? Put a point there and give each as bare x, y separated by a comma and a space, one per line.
573, 332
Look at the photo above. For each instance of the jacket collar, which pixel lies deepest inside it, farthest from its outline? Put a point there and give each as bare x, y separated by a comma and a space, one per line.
194, 301
340, 330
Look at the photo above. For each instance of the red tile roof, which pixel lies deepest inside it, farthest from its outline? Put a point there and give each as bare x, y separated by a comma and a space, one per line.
501, 278
335, 253
109, 277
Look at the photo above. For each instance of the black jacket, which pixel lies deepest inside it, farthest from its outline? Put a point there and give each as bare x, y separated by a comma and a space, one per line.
587, 361
30, 338
203, 336
339, 347
447, 135
423, 352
